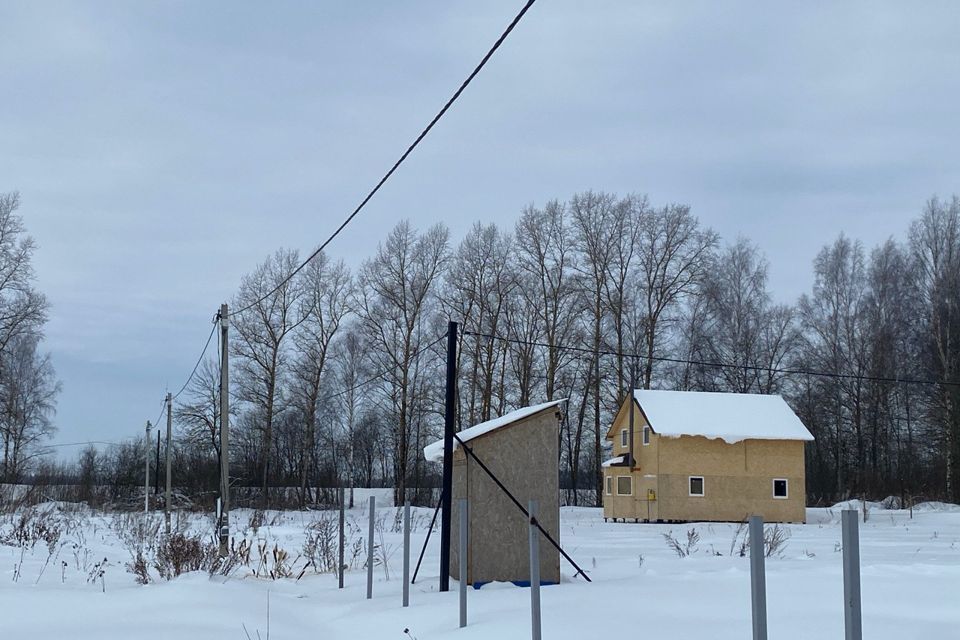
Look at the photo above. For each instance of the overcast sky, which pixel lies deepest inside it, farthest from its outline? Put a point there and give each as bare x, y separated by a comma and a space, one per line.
163, 149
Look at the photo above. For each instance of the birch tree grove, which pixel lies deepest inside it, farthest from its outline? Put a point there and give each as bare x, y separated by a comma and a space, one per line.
339, 376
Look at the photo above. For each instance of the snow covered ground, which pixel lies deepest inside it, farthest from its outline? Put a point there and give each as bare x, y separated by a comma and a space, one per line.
910, 582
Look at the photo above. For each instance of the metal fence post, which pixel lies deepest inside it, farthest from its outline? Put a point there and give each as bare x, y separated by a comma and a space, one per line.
851, 575
464, 524
758, 579
341, 543
406, 553
373, 502
534, 572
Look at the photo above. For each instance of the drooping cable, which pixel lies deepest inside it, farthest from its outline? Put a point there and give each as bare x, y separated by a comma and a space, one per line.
396, 165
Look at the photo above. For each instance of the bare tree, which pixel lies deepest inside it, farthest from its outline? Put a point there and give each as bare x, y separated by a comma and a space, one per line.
597, 224
739, 326
397, 307
629, 220
327, 300
834, 341
269, 304
198, 416
546, 256
28, 392
480, 281
23, 310
673, 252
935, 242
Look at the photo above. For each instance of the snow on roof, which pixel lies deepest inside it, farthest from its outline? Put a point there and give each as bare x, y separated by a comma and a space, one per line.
434, 451
731, 417
612, 461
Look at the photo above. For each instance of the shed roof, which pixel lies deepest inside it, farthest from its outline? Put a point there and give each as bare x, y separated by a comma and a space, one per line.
731, 417
434, 451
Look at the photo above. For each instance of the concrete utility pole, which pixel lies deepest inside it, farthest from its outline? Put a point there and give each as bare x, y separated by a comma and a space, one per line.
166, 498
156, 466
146, 471
224, 431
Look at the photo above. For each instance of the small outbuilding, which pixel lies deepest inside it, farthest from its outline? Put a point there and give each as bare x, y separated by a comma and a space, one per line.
682, 456
521, 449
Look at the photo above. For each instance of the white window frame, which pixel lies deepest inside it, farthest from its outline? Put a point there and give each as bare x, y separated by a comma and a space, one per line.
608, 485
773, 488
646, 436
703, 485
624, 438
630, 478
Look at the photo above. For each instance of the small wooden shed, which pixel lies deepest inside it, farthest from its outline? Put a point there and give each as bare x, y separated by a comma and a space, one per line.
521, 449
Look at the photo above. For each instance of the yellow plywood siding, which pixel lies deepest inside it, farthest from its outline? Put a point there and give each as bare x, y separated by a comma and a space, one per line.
737, 478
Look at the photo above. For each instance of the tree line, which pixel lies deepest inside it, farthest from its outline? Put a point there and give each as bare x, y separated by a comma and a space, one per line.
337, 374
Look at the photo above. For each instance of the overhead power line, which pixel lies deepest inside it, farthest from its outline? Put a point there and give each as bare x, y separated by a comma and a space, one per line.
163, 407
206, 345
396, 165
199, 360
78, 444
381, 376
719, 365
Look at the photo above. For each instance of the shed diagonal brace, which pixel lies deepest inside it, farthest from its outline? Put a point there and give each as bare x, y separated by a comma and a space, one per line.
526, 513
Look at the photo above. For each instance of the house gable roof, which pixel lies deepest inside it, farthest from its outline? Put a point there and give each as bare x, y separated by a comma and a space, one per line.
434, 451
731, 417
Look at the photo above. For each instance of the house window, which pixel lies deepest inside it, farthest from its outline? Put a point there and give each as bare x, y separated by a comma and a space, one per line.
780, 488
646, 436
624, 486
696, 485
609, 485
623, 438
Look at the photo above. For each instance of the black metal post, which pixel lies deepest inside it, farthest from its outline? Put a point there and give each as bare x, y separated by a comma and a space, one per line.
449, 417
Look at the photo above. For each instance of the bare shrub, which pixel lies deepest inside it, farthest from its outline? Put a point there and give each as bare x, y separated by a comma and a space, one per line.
139, 568
382, 552
775, 540
321, 544
32, 527
685, 548
739, 544
181, 553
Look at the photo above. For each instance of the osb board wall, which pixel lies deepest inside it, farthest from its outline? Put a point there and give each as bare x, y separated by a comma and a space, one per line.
524, 456
738, 477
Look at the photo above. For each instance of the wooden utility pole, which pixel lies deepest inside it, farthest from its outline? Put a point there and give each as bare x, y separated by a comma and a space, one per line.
224, 531
166, 498
146, 470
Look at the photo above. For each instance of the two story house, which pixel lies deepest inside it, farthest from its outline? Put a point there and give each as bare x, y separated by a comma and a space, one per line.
698, 456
